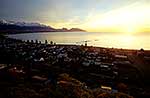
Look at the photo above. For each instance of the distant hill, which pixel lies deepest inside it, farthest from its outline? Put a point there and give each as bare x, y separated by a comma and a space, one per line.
10, 27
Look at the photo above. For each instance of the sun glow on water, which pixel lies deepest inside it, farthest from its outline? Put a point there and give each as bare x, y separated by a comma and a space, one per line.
126, 41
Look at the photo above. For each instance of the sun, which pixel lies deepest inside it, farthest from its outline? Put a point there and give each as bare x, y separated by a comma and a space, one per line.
129, 30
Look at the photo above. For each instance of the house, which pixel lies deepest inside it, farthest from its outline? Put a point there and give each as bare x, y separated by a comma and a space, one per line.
121, 56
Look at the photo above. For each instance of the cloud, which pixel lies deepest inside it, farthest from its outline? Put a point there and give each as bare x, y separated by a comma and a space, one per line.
133, 16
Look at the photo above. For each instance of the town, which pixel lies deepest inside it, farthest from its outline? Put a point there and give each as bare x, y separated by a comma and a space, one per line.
107, 69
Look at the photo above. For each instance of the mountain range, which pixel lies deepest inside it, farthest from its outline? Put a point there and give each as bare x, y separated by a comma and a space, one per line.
10, 27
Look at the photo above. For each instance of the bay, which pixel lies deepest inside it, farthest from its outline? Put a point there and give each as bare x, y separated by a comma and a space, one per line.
115, 40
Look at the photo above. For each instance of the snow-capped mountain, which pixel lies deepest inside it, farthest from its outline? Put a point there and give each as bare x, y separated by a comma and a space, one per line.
29, 24
10, 27
21, 23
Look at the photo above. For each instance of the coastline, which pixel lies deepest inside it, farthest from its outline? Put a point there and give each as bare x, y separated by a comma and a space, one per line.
129, 42
127, 49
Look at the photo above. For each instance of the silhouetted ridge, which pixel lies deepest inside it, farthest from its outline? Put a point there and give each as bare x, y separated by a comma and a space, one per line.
10, 27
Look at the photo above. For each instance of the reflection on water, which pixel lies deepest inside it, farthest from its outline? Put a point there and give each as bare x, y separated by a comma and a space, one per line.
93, 39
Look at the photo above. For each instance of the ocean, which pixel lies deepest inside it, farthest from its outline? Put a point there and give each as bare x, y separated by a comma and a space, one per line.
108, 40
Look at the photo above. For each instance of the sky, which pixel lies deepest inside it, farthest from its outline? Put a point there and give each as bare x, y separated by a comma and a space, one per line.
126, 16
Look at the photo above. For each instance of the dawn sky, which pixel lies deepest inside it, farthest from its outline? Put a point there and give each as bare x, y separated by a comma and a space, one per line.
91, 15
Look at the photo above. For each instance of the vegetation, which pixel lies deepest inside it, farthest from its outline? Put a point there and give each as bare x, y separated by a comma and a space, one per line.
66, 87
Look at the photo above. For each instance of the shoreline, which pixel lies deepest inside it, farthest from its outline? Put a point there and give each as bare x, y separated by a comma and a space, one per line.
127, 49
82, 42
